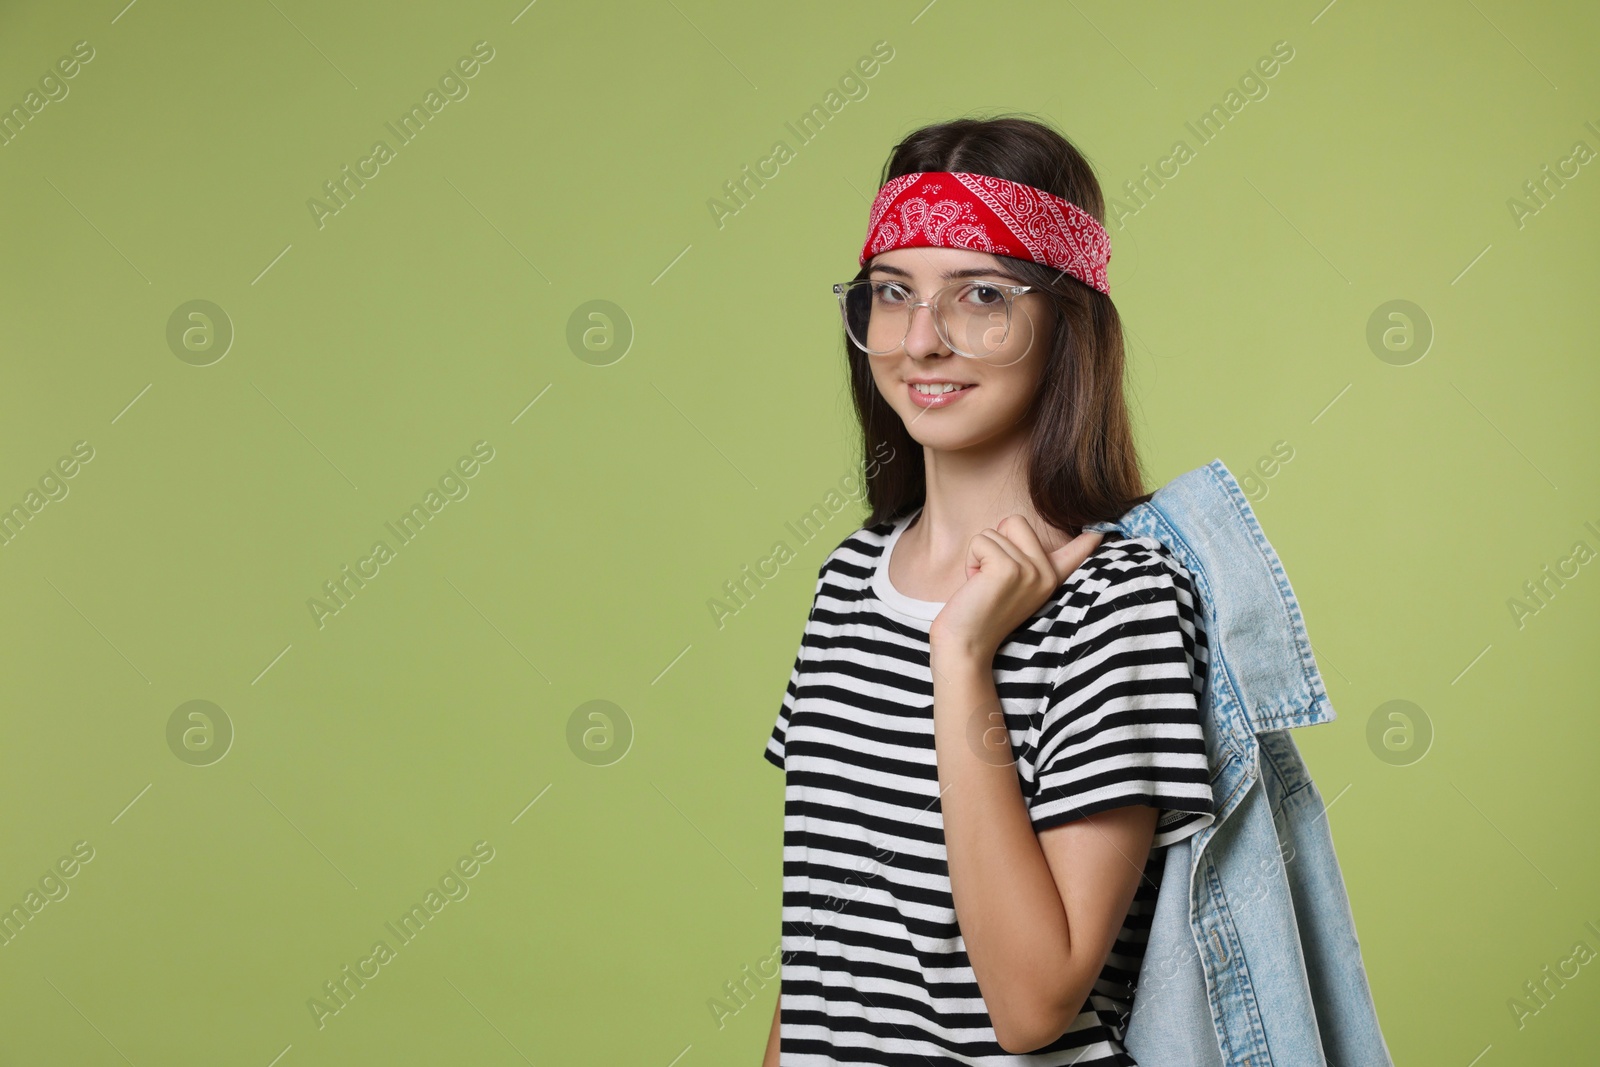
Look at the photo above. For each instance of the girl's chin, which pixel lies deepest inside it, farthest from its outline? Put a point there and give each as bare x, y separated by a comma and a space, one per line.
949, 437
950, 431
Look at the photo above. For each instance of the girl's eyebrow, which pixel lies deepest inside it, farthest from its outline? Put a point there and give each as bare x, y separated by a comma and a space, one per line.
951, 275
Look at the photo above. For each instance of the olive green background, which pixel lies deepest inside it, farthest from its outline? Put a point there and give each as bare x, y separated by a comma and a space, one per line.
437, 708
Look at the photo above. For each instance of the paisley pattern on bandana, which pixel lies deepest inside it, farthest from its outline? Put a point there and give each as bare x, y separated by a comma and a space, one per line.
956, 209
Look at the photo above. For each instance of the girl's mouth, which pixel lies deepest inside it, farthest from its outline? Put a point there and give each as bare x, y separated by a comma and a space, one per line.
939, 396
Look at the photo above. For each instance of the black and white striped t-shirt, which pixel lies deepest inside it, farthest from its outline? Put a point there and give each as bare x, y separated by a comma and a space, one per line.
1100, 694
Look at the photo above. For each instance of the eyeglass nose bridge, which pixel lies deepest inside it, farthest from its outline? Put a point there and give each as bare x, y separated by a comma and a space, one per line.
941, 328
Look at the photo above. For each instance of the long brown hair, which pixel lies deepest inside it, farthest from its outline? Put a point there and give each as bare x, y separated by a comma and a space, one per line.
1082, 466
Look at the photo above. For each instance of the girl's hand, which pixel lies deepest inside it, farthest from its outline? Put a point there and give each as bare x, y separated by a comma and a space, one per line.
1009, 575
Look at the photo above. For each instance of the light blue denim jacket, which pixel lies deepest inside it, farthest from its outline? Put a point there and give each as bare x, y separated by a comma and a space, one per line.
1252, 959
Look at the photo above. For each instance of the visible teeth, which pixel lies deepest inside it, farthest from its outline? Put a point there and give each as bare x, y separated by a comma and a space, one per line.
936, 389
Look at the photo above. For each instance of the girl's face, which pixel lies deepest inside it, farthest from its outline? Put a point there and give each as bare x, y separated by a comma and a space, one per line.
996, 389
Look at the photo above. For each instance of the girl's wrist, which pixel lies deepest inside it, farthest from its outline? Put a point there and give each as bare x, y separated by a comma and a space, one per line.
956, 658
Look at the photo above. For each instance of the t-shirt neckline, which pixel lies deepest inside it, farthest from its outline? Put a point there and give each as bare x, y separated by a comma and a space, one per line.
910, 607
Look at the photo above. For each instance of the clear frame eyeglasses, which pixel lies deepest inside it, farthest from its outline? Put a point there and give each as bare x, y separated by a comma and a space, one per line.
972, 315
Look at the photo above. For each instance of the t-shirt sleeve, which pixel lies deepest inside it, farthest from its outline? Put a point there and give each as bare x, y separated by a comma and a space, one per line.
1122, 721
780, 729
774, 751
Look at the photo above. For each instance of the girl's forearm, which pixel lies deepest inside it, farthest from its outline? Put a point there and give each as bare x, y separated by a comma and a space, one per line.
770, 1057
1006, 900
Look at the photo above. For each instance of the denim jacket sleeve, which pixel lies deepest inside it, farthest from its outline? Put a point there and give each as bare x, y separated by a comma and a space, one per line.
1252, 940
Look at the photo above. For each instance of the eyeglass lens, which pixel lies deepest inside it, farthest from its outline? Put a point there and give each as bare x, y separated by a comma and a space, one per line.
972, 317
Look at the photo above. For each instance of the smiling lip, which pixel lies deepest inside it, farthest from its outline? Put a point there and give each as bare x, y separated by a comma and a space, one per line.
939, 400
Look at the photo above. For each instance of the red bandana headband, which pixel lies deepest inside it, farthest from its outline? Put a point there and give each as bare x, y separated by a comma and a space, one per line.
954, 209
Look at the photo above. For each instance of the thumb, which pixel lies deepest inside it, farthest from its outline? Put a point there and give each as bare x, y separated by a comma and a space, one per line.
1070, 556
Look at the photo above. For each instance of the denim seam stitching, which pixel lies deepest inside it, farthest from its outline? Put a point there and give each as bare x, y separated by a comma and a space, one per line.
1310, 674
1236, 962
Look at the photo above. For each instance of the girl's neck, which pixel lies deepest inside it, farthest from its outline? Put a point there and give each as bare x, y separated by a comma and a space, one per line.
967, 491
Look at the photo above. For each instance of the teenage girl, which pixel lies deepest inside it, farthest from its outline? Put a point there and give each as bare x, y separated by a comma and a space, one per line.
992, 726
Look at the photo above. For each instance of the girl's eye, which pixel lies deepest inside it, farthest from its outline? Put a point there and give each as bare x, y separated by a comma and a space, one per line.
887, 293
984, 295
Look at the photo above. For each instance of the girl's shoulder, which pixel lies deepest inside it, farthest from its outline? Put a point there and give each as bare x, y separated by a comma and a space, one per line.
1123, 571
1121, 557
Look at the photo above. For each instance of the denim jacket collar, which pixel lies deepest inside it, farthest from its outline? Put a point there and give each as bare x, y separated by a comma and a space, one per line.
1272, 669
